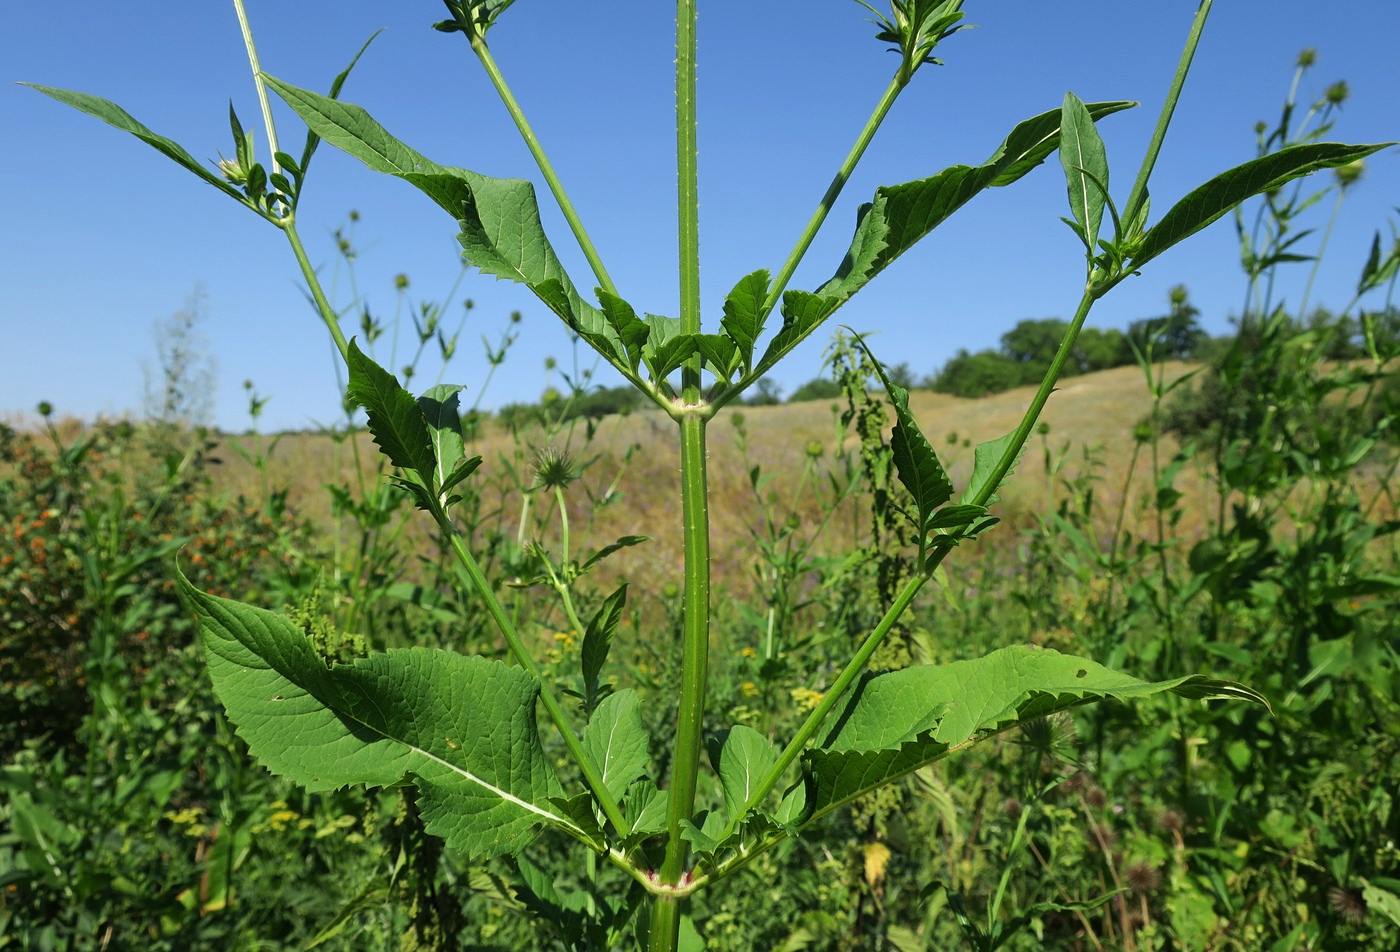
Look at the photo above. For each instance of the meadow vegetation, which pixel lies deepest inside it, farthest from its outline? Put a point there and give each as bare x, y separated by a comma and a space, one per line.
1233, 513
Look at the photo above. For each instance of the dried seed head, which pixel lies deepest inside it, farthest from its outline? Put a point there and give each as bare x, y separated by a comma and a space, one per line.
1104, 835
1096, 798
554, 468
1012, 807
1143, 877
1171, 821
1347, 903
1053, 736
1073, 783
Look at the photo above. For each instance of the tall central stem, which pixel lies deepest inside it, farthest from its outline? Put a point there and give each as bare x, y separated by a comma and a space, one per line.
690, 719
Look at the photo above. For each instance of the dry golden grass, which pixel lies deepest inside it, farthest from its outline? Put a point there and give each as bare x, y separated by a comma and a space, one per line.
1097, 410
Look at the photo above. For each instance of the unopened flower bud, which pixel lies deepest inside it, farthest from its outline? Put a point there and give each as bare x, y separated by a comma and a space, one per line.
232, 172
1349, 174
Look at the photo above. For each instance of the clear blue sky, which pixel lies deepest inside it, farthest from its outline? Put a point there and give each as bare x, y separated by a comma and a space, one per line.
100, 235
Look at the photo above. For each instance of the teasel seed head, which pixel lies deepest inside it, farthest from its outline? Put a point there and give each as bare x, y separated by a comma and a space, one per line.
1347, 903
1143, 877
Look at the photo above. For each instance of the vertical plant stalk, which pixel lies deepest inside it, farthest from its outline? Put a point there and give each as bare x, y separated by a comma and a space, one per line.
695, 638
1321, 250
288, 222
318, 296
258, 82
1139, 193
833, 191
556, 187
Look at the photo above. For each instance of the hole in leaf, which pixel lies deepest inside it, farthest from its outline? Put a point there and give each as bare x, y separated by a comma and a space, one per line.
1081, 673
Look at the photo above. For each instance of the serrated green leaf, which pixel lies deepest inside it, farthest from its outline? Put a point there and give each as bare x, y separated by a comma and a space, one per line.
395, 418
743, 313
464, 468
581, 812
462, 728
1086, 168
597, 642
116, 116
984, 463
914, 458
742, 757
667, 357
441, 410
901, 215
631, 331
645, 807
1382, 901
617, 741
1211, 201
719, 353
896, 722
952, 516
704, 837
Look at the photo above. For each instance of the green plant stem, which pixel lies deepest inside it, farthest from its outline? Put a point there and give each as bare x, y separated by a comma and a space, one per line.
556, 187
695, 637
665, 923
1037, 404
687, 191
591, 775
1139, 193
258, 82
833, 191
695, 644
833, 694
1321, 250
323, 306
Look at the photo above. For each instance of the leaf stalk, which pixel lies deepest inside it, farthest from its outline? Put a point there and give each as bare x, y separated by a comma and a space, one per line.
1139, 193
591, 774
556, 187
252, 48
833, 191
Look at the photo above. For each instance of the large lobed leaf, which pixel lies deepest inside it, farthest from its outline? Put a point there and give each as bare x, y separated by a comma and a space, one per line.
1213, 200
896, 722
901, 215
461, 728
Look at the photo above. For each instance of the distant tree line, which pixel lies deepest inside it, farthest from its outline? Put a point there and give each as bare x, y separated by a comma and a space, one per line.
1024, 355
1028, 348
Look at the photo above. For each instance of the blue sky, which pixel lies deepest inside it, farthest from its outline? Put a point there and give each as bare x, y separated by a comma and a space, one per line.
100, 236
